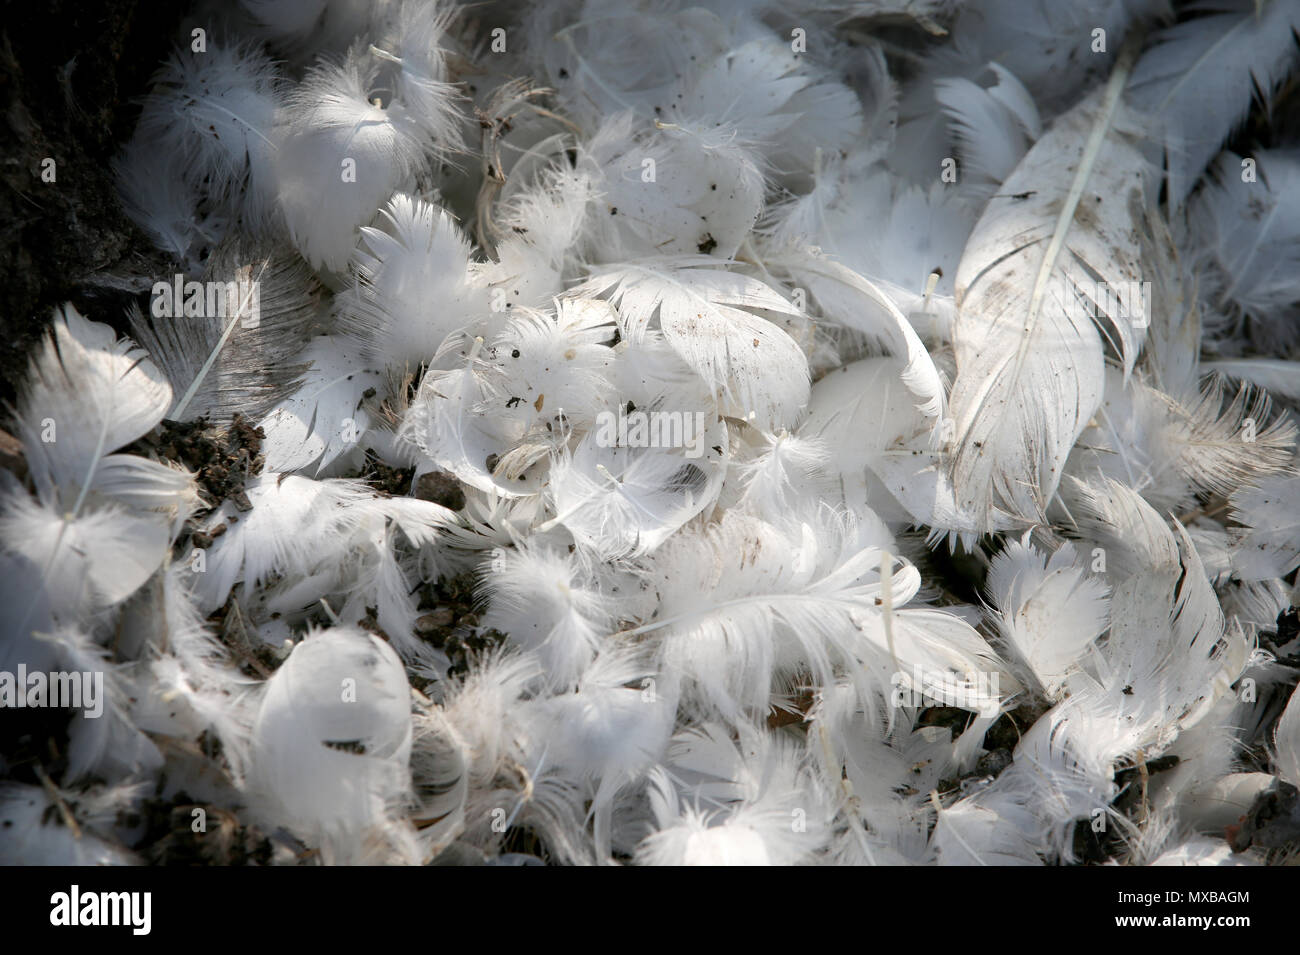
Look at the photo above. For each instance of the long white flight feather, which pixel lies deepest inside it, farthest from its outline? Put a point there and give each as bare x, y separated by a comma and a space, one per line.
1029, 361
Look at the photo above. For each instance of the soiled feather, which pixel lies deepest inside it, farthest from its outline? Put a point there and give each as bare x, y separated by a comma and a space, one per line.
495, 420
542, 218
1029, 359
707, 316
267, 301
215, 110
29, 834
1169, 449
1269, 539
601, 62
673, 191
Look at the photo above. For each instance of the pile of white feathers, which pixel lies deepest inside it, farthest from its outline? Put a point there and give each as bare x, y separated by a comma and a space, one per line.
968, 565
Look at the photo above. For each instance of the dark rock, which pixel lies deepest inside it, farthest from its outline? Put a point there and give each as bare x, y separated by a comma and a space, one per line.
441, 488
435, 620
992, 763
12, 457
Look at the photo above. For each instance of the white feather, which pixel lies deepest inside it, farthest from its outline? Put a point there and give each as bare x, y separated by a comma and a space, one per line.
745, 809
1049, 609
1169, 657
101, 526
413, 287
1268, 543
1029, 363
423, 81
884, 461
549, 602
88, 562
89, 394
707, 316
325, 417
624, 501
215, 112
611, 731
855, 302
1204, 850
1250, 235
299, 527
745, 602
993, 125
332, 741
1198, 78
338, 158
786, 471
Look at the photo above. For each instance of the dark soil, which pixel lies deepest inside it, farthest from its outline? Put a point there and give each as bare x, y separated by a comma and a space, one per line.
70, 71
395, 482
449, 621
170, 839
223, 458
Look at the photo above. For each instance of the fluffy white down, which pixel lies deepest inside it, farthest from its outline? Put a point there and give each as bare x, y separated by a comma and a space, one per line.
677, 433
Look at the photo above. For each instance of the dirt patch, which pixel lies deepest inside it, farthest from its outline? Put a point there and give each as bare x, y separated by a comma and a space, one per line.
69, 74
